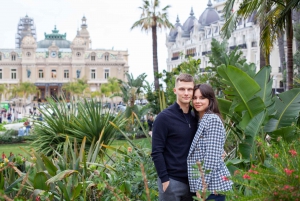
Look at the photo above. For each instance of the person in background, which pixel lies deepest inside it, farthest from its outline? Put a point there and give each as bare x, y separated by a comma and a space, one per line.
208, 147
27, 126
9, 117
172, 134
150, 124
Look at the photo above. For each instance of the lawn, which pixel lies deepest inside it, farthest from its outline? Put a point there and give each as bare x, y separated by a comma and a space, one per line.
15, 148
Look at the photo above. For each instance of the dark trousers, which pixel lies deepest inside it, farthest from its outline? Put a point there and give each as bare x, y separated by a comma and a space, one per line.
176, 191
214, 197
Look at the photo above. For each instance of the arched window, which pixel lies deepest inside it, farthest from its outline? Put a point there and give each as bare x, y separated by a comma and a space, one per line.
93, 56
106, 57
53, 73
41, 74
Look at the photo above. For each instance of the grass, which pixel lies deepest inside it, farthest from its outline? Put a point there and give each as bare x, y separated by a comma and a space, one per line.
15, 148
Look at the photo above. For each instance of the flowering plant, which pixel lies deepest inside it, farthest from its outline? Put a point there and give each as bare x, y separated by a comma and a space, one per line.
278, 178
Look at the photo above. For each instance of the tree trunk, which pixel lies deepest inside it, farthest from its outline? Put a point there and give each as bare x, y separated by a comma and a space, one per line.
262, 59
282, 56
155, 62
289, 40
296, 19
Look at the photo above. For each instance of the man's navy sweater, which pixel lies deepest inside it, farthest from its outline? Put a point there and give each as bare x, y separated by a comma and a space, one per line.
172, 135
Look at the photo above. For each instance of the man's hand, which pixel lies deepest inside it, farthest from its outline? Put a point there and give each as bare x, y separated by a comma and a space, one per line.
165, 185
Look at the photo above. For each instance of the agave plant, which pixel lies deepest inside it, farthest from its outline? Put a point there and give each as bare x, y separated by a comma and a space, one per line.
64, 176
84, 119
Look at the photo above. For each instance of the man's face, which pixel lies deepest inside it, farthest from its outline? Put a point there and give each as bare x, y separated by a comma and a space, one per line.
184, 92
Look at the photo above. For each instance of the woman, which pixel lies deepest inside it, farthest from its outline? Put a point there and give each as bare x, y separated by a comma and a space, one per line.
207, 147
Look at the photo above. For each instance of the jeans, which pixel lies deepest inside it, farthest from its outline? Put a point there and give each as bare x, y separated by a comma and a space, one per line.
27, 131
176, 191
214, 197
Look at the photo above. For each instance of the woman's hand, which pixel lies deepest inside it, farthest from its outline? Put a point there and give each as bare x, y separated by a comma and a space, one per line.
198, 194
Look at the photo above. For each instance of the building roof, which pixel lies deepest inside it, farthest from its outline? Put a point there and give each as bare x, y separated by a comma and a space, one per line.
173, 32
209, 15
188, 24
59, 40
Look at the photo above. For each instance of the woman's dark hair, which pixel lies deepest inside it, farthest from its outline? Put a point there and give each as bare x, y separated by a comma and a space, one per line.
208, 92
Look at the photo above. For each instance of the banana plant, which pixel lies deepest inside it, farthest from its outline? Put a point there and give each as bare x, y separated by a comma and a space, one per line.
252, 110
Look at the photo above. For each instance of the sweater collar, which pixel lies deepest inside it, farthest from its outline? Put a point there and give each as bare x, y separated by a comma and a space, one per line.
177, 106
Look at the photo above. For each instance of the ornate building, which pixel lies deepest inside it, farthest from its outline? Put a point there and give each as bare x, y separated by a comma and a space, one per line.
54, 61
194, 36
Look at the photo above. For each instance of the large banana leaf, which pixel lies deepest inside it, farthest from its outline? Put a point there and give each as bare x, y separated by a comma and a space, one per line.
263, 80
247, 147
224, 106
241, 89
287, 105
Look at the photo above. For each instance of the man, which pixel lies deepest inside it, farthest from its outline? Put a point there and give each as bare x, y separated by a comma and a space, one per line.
172, 134
150, 124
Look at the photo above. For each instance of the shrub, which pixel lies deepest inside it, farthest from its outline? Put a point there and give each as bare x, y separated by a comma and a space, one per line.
277, 179
10, 136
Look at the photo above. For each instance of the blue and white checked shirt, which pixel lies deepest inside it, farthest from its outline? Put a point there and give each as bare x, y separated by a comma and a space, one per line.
208, 147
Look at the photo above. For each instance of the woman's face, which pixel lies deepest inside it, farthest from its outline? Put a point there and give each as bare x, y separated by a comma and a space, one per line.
200, 103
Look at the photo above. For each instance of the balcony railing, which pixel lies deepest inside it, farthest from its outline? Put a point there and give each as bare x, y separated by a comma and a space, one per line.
174, 58
243, 46
188, 55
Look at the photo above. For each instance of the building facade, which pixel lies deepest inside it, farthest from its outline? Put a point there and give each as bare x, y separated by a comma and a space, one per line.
194, 36
54, 61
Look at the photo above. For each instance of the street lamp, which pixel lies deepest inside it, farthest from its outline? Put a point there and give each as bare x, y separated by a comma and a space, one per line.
275, 84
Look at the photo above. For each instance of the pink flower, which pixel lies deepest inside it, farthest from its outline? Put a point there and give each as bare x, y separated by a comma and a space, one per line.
286, 187
224, 178
255, 172
275, 193
253, 166
288, 172
276, 155
246, 176
236, 172
293, 152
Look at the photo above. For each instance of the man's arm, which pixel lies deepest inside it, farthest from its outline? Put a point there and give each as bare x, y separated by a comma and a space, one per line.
159, 137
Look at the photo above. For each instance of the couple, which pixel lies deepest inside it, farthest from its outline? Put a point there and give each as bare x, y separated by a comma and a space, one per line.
181, 138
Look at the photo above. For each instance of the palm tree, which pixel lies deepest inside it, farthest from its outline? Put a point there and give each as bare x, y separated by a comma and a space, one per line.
153, 18
246, 9
71, 88
114, 87
284, 21
274, 17
76, 88
131, 89
26, 89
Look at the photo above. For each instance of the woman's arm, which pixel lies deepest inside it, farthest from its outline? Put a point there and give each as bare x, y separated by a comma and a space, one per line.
214, 147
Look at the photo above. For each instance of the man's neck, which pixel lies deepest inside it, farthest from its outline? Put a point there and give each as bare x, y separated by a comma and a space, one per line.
185, 107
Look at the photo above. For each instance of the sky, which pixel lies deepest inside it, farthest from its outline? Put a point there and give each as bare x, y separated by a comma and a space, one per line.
109, 24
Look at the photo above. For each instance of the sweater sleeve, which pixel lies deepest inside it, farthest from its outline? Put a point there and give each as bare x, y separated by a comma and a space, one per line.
159, 136
214, 146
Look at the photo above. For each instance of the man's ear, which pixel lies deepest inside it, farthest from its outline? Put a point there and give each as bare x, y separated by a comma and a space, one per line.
174, 90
